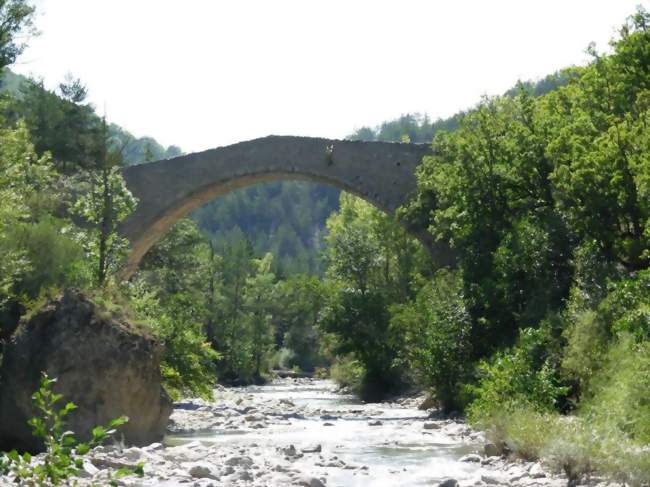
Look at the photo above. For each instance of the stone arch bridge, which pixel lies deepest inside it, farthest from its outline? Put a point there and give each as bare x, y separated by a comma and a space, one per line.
382, 173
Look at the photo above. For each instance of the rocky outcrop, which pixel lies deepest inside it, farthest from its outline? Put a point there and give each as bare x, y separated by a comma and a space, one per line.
106, 366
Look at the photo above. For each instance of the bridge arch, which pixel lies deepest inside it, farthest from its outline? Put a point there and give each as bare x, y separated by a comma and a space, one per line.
382, 173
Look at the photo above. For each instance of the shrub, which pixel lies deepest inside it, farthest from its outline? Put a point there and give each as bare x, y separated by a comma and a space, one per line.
571, 449
321, 373
348, 372
282, 358
627, 307
188, 362
618, 396
520, 429
63, 453
435, 330
587, 338
524, 376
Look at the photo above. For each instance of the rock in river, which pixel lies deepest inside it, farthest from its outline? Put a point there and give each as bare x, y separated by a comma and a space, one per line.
105, 365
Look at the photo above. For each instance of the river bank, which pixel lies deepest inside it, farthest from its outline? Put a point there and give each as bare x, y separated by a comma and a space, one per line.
303, 432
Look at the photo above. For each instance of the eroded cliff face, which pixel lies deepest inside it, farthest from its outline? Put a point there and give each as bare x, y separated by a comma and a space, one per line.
106, 367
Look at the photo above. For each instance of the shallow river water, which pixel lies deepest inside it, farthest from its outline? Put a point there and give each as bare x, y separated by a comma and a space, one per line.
387, 442
305, 433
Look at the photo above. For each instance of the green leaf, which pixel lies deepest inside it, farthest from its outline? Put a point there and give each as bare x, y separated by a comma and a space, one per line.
118, 422
123, 472
98, 433
82, 448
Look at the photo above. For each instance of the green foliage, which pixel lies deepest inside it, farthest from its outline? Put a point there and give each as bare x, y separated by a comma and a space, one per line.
55, 257
16, 18
617, 396
591, 330
524, 376
434, 330
348, 373
37, 250
413, 126
285, 218
587, 338
372, 263
188, 359
608, 434
106, 202
220, 294
627, 307
599, 142
259, 302
63, 457
296, 324
64, 124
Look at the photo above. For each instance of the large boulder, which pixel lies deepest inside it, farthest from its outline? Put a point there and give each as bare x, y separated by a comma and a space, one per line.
106, 366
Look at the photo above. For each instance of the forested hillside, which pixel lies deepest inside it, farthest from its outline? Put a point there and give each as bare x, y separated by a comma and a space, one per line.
286, 218
46, 112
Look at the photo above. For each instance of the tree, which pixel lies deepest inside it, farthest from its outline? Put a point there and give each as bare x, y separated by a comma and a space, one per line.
106, 203
367, 272
64, 125
296, 321
598, 125
16, 19
259, 303
434, 330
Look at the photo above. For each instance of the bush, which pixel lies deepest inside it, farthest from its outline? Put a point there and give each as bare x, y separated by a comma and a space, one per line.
63, 453
519, 429
360, 322
435, 331
571, 449
282, 359
524, 376
55, 260
188, 362
321, 373
627, 307
587, 339
618, 395
348, 372
625, 311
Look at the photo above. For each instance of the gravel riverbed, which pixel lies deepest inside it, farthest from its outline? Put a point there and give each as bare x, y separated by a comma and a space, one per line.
302, 432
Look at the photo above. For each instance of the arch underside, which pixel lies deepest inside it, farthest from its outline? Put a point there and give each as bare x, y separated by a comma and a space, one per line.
381, 173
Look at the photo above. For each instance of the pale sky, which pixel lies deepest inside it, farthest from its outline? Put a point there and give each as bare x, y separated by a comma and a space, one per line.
206, 73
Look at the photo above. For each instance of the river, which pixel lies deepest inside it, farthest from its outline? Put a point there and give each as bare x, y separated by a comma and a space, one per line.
307, 428
305, 433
